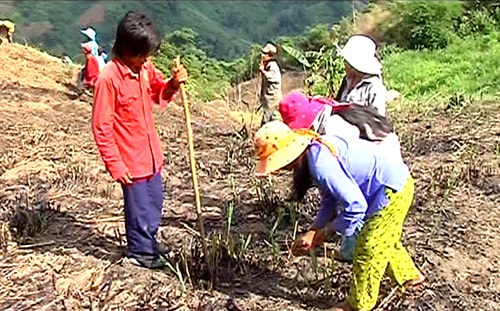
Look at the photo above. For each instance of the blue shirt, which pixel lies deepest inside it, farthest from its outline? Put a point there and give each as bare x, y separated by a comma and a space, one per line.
355, 180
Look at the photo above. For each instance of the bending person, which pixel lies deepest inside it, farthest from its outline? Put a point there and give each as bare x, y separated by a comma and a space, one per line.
91, 70
375, 193
325, 116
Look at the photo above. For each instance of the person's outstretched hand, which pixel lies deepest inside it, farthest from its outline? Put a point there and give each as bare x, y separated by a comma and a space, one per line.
308, 241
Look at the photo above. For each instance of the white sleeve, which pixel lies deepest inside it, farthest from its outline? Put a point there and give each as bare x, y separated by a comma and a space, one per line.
336, 125
379, 97
392, 145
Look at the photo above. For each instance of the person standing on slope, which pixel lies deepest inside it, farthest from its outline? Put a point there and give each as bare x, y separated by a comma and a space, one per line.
124, 130
92, 36
7, 29
91, 70
270, 94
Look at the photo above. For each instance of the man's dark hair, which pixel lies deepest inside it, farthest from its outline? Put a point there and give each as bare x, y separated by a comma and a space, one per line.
136, 35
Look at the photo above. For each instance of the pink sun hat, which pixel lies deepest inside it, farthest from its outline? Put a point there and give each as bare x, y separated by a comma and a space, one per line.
299, 111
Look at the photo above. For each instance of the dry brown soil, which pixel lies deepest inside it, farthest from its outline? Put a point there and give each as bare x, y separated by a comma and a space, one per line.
62, 233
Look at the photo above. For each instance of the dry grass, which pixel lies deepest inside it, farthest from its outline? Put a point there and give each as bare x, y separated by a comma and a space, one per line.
30, 67
62, 232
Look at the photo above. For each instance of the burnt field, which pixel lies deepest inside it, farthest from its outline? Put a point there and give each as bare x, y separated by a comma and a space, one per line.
62, 232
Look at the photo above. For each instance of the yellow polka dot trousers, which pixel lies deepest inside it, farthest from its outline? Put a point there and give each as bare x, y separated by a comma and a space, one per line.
379, 249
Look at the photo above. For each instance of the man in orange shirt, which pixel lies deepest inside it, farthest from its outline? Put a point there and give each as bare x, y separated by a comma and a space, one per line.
124, 131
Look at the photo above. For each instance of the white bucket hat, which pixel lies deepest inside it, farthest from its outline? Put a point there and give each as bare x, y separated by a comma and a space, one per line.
359, 52
269, 49
89, 32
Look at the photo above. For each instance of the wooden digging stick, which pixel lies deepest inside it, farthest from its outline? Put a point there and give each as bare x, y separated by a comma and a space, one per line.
194, 176
256, 99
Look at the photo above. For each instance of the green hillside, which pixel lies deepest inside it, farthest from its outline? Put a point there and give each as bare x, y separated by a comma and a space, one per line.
226, 28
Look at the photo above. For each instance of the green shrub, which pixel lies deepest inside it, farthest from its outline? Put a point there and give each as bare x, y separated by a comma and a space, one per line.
315, 37
246, 67
209, 77
478, 19
491, 8
468, 66
423, 24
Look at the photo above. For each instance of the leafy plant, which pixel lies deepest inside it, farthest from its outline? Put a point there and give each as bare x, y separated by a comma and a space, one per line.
478, 20
297, 54
324, 70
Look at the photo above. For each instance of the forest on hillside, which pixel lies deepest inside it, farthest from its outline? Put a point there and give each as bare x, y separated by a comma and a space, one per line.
428, 28
226, 28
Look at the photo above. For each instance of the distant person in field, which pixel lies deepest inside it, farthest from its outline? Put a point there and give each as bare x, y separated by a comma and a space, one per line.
66, 60
91, 35
362, 83
91, 70
100, 54
374, 189
7, 29
124, 130
270, 94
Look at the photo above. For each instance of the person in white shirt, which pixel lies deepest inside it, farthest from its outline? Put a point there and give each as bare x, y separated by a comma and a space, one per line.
270, 94
362, 83
7, 29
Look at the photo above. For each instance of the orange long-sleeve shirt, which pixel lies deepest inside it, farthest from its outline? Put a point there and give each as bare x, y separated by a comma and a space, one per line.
122, 118
91, 71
